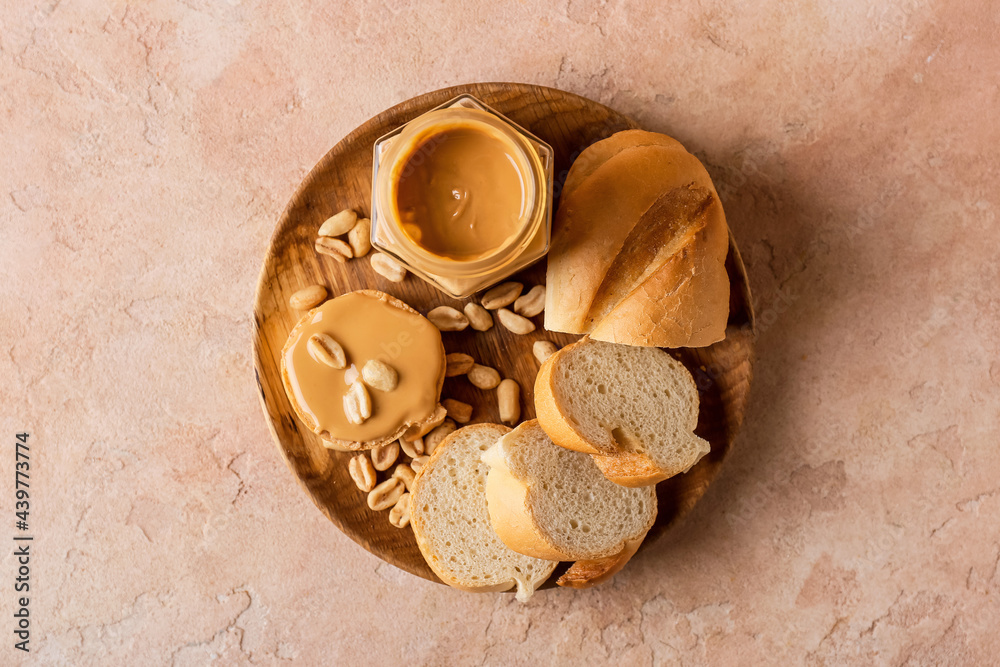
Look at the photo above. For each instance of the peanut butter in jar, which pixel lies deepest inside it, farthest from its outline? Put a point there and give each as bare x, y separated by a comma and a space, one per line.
462, 197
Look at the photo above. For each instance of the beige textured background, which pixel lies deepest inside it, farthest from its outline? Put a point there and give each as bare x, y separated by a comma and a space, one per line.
148, 149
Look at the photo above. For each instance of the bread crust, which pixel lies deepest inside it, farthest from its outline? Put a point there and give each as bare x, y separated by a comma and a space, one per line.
512, 514
416, 522
340, 444
589, 573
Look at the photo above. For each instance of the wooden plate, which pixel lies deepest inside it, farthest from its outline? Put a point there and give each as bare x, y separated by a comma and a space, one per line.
342, 179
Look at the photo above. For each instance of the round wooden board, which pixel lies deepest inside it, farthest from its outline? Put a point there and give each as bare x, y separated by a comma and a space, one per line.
342, 179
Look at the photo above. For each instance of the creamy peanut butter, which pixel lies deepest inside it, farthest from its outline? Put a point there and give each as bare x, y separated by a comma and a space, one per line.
461, 193
367, 325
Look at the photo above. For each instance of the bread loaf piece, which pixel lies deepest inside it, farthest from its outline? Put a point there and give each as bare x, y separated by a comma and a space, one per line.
633, 408
452, 524
549, 502
611, 270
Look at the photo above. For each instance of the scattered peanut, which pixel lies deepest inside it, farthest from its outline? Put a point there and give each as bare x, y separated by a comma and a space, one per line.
324, 349
412, 448
447, 318
386, 494
388, 268
514, 322
418, 463
399, 515
478, 316
532, 303
405, 474
338, 224
359, 238
457, 364
362, 472
308, 297
543, 349
483, 377
379, 375
357, 403
335, 248
457, 410
501, 295
509, 401
383, 457
435, 437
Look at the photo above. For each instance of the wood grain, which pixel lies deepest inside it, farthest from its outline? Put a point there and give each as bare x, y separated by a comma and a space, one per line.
342, 179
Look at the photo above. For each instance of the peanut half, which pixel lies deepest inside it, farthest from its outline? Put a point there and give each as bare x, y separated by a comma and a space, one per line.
357, 403
543, 349
478, 316
434, 438
405, 474
338, 224
308, 297
509, 401
359, 237
362, 472
335, 248
514, 322
447, 318
501, 295
412, 448
457, 364
399, 515
324, 349
388, 268
457, 410
532, 303
383, 457
483, 377
385, 495
418, 463
379, 375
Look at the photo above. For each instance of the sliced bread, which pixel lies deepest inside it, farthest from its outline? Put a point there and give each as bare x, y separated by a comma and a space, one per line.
452, 525
549, 502
633, 408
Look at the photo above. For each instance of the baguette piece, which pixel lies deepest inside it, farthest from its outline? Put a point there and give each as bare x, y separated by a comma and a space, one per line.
614, 238
549, 502
634, 409
452, 524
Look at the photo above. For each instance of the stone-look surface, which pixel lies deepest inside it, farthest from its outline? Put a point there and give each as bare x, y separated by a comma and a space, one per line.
149, 148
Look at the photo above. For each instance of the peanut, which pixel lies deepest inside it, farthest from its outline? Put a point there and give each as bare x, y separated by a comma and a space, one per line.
418, 463
383, 457
399, 515
501, 295
308, 297
335, 248
405, 474
362, 472
483, 377
412, 448
509, 401
388, 268
478, 316
514, 322
457, 364
338, 224
447, 318
543, 349
359, 238
324, 349
422, 429
457, 410
435, 437
357, 403
532, 303
379, 375
386, 494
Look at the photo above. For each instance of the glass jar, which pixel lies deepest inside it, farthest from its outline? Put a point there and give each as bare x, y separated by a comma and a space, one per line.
525, 233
